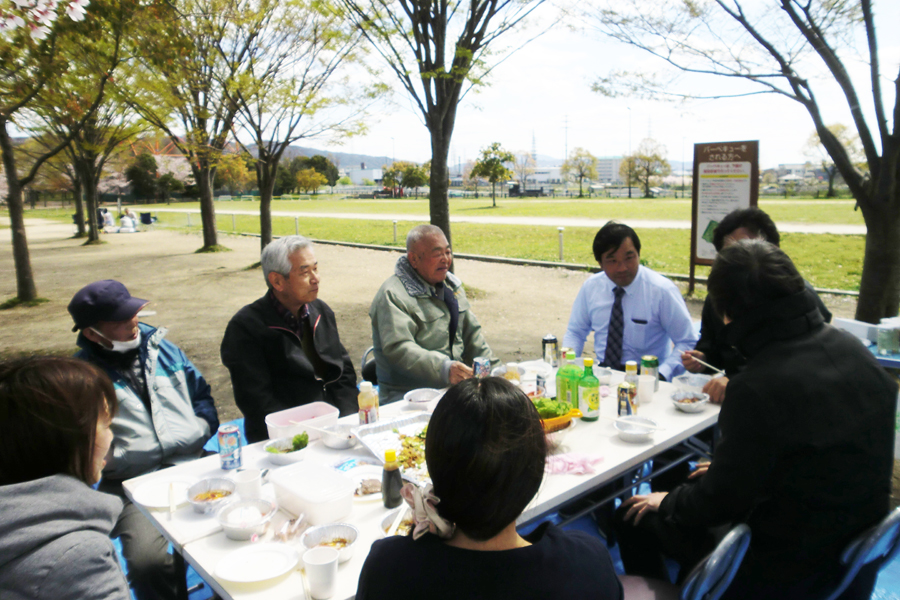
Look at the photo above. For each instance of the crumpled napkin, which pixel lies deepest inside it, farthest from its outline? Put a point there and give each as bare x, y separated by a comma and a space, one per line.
573, 463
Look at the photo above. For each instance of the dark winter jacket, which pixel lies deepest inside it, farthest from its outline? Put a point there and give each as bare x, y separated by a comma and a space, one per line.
806, 449
270, 371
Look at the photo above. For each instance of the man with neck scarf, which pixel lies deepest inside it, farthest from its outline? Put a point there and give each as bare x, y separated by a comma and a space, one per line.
806, 449
423, 329
166, 414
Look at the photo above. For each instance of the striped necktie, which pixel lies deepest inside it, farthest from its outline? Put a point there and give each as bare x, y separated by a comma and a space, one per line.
613, 356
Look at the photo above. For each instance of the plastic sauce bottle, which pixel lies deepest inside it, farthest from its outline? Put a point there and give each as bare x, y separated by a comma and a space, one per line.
391, 481
589, 393
567, 381
368, 403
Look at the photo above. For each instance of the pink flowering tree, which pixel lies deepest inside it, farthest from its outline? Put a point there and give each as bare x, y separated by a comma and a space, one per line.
43, 44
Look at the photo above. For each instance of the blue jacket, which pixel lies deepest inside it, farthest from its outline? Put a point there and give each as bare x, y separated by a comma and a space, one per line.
182, 408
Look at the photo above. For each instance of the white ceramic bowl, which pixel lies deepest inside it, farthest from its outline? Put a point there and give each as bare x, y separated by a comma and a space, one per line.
339, 437
421, 397
691, 381
632, 429
680, 397
284, 458
555, 439
501, 372
316, 536
240, 520
388, 520
206, 485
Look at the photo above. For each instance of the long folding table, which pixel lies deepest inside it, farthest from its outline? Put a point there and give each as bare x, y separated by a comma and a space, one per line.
203, 544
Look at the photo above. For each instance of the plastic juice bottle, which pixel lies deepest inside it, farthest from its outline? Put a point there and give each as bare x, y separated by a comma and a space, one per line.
567, 381
391, 481
631, 376
368, 403
589, 392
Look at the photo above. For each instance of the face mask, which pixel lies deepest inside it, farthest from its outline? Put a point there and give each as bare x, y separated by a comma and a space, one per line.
121, 346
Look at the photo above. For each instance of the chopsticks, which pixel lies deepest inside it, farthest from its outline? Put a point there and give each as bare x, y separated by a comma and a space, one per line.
397, 520
706, 364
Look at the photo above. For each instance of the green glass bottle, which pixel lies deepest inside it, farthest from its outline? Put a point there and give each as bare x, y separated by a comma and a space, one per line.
589, 393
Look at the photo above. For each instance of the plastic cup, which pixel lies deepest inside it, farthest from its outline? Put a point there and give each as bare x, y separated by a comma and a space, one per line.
321, 571
248, 484
646, 387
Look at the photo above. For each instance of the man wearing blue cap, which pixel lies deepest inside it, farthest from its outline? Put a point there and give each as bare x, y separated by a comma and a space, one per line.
166, 414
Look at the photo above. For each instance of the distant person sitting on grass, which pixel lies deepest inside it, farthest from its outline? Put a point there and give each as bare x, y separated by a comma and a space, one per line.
485, 450
55, 416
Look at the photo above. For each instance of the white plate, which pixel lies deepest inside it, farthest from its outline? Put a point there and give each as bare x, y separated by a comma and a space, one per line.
155, 494
366, 472
258, 562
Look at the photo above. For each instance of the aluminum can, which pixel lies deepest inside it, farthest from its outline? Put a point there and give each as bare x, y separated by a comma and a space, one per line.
230, 446
550, 350
625, 394
650, 366
482, 367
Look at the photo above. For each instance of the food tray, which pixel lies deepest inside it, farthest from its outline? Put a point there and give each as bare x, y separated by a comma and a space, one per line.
380, 436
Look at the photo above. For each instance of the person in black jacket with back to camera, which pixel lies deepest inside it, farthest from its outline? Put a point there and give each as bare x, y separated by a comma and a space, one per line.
806, 450
485, 450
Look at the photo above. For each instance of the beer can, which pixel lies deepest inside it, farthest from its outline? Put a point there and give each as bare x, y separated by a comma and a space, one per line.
650, 366
482, 367
625, 394
230, 446
550, 350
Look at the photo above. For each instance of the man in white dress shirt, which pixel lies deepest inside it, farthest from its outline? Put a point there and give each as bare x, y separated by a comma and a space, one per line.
651, 315
633, 311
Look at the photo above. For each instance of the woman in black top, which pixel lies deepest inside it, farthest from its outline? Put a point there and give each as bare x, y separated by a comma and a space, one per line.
485, 451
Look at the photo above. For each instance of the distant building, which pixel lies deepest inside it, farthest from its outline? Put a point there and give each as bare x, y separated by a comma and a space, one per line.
608, 169
544, 175
358, 175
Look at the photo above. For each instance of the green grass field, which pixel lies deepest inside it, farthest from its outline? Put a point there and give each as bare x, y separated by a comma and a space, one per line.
806, 210
828, 261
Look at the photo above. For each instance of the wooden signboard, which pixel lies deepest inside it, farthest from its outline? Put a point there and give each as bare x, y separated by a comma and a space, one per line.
726, 178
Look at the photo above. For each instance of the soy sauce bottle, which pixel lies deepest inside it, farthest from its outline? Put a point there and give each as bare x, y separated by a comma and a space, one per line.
391, 481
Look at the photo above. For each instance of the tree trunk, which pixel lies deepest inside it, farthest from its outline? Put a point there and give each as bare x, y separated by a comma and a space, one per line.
79, 207
89, 181
494, 193
204, 179
439, 204
879, 287
265, 179
26, 290
832, 173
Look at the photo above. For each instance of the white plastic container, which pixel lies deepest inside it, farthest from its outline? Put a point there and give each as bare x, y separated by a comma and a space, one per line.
321, 493
317, 414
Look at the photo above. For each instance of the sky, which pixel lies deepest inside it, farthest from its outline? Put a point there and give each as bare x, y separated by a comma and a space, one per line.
541, 94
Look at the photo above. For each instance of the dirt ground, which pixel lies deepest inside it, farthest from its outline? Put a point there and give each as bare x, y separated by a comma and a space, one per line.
195, 295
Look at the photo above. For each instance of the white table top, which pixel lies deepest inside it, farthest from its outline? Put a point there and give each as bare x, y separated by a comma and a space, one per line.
203, 544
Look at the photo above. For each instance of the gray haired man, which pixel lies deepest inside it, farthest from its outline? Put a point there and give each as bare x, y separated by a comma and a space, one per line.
283, 350
423, 330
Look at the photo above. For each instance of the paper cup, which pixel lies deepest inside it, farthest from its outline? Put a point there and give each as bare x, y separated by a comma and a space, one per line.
248, 484
646, 387
321, 571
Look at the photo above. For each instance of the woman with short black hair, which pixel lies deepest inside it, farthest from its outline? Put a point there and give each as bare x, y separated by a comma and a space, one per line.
55, 415
485, 450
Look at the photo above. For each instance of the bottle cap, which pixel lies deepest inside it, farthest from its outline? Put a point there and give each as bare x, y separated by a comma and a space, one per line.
390, 456
365, 386
631, 366
570, 355
588, 362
